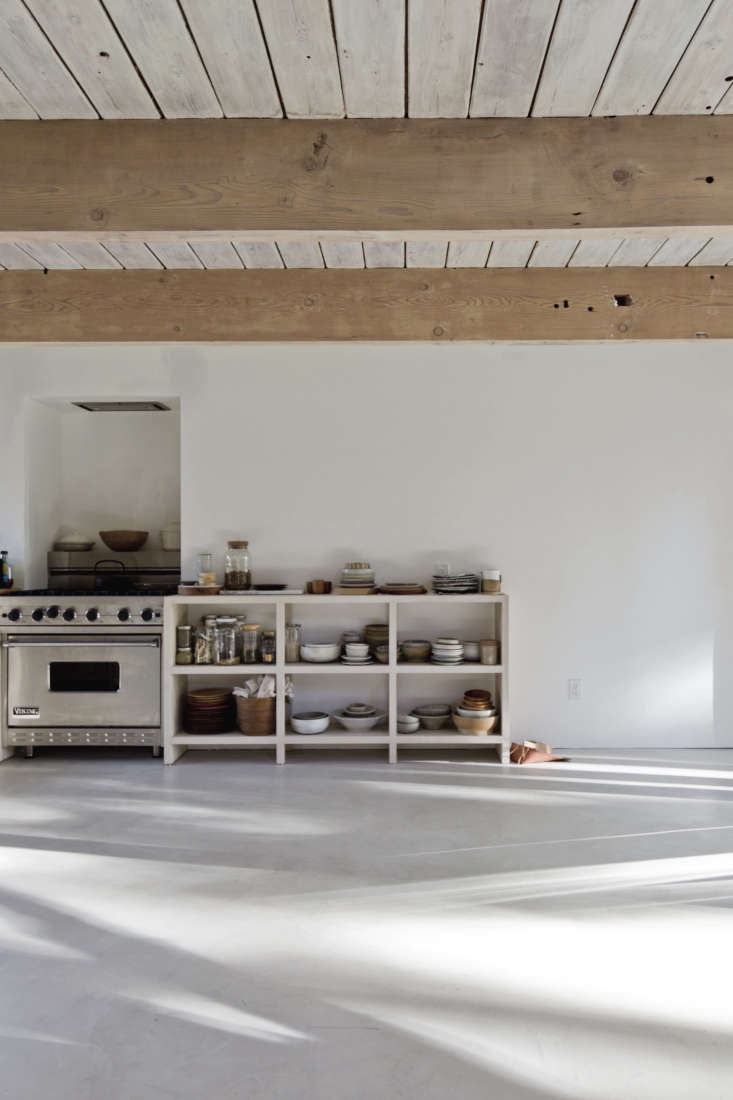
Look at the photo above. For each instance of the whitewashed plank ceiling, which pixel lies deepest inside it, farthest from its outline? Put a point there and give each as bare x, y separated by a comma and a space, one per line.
548, 252
363, 58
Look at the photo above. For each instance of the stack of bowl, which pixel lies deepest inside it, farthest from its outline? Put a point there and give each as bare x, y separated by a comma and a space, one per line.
408, 723
433, 716
447, 651
357, 576
359, 717
416, 651
475, 713
376, 634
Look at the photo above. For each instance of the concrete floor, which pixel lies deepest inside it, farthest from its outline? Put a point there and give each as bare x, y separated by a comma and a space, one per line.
344, 930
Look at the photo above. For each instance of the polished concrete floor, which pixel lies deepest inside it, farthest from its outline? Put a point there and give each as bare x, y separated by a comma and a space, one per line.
339, 929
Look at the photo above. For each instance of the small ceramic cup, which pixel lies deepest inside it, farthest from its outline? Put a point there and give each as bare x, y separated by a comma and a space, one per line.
489, 652
357, 649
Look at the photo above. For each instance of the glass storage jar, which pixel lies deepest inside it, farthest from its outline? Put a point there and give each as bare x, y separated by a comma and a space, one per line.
250, 643
184, 652
204, 569
226, 641
205, 651
267, 647
237, 565
293, 638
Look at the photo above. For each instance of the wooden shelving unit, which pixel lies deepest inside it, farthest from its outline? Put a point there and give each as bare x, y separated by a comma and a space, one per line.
327, 686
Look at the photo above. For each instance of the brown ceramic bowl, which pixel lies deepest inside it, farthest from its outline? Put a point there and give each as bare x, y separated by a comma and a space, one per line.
124, 541
318, 588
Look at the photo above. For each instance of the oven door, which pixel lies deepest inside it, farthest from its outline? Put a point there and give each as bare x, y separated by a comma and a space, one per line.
68, 680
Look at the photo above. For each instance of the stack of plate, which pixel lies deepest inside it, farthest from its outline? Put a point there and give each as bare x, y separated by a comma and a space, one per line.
376, 634
210, 710
357, 659
357, 577
403, 588
447, 651
445, 583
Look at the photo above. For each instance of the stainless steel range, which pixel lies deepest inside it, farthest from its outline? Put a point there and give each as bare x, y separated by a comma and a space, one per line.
81, 662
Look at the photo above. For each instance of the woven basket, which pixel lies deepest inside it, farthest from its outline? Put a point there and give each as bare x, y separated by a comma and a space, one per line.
256, 717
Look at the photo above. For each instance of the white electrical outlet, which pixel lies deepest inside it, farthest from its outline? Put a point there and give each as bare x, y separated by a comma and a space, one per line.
575, 689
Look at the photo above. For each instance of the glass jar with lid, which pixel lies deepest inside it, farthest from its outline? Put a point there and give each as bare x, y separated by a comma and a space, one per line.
293, 638
226, 641
237, 565
205, 574
267, 647
250, 643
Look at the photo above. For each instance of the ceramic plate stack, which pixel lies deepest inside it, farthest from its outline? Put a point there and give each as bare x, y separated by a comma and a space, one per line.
403, 588
210, 710
357, 579
455, 583
355, 662
447, 651
376, 634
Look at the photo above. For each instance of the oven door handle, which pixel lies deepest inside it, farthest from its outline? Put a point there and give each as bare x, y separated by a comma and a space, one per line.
32, 643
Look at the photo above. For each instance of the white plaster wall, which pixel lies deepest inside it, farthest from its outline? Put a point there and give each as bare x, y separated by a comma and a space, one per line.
595, 476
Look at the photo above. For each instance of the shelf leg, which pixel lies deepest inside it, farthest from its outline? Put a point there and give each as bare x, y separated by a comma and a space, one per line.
171, 753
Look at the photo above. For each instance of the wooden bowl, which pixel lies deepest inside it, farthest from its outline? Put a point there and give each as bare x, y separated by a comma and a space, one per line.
124, 541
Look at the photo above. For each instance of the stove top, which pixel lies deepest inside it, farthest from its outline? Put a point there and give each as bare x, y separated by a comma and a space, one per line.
109, 589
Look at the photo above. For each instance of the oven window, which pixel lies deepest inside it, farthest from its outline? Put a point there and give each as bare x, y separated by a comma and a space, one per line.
84, 676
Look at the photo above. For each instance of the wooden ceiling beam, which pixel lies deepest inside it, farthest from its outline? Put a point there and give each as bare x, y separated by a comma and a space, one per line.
376, 304
380, 179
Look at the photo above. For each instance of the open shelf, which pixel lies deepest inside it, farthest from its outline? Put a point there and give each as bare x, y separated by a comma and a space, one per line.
328, 686
220, 740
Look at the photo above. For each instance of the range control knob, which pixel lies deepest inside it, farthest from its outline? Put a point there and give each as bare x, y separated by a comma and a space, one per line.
123, 614
92, 614
70, 614
14, 614
146, 614
37, 614
52, 612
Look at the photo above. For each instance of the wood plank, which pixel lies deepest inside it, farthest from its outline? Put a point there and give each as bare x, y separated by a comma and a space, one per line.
552, 253
258, 254
301, 253
132, 254
698, 83
156, 36
12, 103
677, 251
512, 45
655, 39
595, 252
636, 251
174, 254
230, 41
351, 179
468, 253
49, 255
84, 36
384, 253
91, 254
442, 38
303, 54
342, 253
370, 39
583, 41
213, 254
29, 61
15, 259
426, 253
510, 253
719, 250
465, 304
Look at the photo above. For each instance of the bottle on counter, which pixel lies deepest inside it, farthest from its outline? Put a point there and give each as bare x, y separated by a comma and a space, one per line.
237, 565
6, 571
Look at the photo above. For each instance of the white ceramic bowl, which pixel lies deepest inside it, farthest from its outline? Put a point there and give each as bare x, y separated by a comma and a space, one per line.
359, 725
311, 721
472, 651
464, 713
320, 653
357, 649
